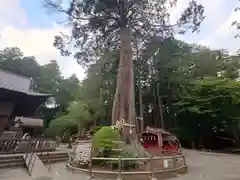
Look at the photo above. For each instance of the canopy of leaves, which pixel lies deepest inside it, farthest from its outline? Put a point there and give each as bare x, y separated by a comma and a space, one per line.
96, 23
60, 125
211, 107
81, 115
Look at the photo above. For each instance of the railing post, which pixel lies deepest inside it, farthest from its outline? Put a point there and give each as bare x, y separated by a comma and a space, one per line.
174, 162
119, 168
184, 163
152, 169
90, 164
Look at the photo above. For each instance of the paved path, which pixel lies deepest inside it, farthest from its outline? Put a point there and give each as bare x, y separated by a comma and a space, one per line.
202, 166
211, 166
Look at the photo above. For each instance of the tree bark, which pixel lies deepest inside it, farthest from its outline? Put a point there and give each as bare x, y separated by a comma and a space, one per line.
124, 104
79, 131
161, 112
141, 121
124, 100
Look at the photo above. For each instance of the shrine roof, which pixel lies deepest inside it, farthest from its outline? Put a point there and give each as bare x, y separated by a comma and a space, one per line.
17, 83
157, 130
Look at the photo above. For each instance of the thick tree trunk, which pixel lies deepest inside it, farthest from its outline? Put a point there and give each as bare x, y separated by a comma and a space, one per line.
124, 100
124, 104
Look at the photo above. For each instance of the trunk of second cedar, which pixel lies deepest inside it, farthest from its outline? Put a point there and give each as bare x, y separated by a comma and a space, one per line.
161, 112
141, 121
79, 131
160, 107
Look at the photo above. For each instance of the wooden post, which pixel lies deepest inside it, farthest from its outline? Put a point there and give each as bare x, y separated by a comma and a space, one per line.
90, 165
119, 168
174, 162
184, 163
152, 169
69, 159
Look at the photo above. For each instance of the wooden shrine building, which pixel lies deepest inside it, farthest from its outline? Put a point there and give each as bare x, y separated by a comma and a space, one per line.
154, 138
17, 99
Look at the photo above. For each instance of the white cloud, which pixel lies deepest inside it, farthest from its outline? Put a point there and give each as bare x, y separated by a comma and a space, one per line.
33, 41
216, 30
224, 36
11, 12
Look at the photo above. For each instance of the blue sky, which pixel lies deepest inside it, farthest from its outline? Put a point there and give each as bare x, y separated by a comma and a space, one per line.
37, 15
26, 24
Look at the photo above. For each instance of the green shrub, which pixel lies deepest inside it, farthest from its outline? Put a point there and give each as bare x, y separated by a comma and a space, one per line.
104, 137
103, 142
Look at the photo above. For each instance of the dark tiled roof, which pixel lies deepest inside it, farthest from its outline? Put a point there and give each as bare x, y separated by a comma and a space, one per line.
14, 82
18, 83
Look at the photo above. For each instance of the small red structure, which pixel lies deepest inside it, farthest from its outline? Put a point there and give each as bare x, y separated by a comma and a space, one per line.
154, 138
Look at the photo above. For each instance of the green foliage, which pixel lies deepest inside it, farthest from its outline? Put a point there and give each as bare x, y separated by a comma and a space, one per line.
103, 138
211, 107
60, 125
177, 73
103, 146
79, 113
80, 116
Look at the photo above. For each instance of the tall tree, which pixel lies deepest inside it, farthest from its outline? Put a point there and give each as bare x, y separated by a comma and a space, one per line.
100, 24
103, 23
